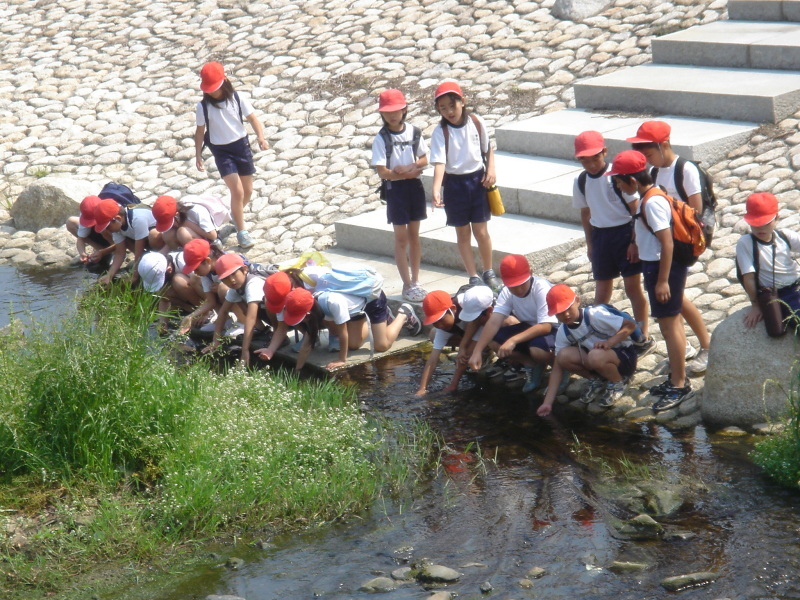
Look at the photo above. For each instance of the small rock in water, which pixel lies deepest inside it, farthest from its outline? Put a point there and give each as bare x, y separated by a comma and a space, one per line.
627, 567
525, 584
377, 585
486, 588
535, 572
682, 582
473, 564
641, 527
440, 596
679, 536
234, 563
264, 545
402, 574
438, 574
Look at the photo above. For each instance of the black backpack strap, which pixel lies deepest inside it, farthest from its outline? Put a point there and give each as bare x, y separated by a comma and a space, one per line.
206, 134
415, 138
755, 257
582, 182
446, 134
680, 165
239, 105
389, 145
618, 192
481, 137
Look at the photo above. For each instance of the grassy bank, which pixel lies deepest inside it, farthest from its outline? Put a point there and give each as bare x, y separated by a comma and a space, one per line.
779, 455
109, 451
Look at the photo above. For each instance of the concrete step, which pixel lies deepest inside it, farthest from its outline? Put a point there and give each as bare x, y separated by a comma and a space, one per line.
739, 94
737, 44
532, 186
764, 10
540, 240
552, 134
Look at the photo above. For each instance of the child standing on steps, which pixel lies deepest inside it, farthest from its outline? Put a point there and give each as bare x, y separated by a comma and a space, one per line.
652, 140
399, 154
219, 117
460, 178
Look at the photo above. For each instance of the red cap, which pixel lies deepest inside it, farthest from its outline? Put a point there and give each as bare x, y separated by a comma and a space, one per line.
761, 209
589, 143
627, 163
103, 213
514, 270
88, 205
448, 87
652, 132
227, 264
164, 211
276, 287
435, 304
559, 298
212, 76
298, 304
195, 252
390, 100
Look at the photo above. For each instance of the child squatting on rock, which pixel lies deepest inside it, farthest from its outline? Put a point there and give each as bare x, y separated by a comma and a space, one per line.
596, 347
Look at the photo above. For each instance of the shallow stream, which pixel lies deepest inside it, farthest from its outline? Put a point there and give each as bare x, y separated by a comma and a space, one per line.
518, 492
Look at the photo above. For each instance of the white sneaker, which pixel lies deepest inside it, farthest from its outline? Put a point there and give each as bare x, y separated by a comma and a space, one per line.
209, 326
235, 331
690, 351
699, 365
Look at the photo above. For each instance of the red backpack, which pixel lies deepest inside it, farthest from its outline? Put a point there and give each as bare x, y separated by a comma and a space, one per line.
687, 232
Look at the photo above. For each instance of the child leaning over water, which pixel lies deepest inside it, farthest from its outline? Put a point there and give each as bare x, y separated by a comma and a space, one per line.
220, 114
460, 178
399, 154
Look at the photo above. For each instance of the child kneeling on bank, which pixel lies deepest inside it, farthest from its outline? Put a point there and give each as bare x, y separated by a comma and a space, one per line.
764, 258
593, 342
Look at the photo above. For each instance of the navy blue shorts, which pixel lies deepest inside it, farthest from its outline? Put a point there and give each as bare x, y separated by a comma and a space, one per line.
627, 360
405, 201
377, 310
677, 282
235, 157
545, 342
465, 199
791, 295
97, 240
610, 252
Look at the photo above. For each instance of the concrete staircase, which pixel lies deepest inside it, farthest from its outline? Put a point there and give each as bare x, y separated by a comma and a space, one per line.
746, 69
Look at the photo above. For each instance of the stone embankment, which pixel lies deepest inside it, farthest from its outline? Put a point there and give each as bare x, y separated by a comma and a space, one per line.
106, 91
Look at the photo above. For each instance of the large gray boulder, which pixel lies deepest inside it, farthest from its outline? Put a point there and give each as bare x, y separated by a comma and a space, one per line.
748, 375
49, 201
578, 10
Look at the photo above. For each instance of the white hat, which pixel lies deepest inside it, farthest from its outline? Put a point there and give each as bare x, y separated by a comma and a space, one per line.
474, 301
153, 270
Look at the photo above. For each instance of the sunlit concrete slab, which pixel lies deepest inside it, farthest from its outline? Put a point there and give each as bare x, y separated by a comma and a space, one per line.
740, 94
764, 10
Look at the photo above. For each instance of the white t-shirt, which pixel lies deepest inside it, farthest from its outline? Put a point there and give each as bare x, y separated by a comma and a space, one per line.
84, 232
440, 337
605, 206
402, 148
691, 179
787, 271
605, 324
209, 280
340, 307
140, 222
314, 272
463, 147
200, 216
532, 309
252, 290
225, 126
659, 216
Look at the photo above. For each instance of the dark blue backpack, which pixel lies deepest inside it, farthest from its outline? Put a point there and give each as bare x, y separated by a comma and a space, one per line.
119, 192
637, 336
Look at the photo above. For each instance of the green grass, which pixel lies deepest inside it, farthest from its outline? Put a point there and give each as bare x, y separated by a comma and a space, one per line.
779, 455
111, 452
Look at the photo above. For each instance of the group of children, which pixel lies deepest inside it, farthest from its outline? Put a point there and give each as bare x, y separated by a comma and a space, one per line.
625, 208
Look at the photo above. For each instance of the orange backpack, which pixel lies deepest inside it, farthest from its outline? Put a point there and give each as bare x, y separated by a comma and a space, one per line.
687, 232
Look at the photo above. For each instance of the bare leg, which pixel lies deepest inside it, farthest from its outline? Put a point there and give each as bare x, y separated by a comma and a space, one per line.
414, 250
641, 309
481, 233
464, 241
234, 183
695, 320
675, 336
602, 291
401, 235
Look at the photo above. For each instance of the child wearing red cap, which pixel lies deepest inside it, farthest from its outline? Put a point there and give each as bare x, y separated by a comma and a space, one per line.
243, 298
82, 227
463, 162
531, 341
399, 153
129, 229
764, 259
607, 218
200, 259
179, 222
219, 116
458, 321
664, 279
653, 140
592, 342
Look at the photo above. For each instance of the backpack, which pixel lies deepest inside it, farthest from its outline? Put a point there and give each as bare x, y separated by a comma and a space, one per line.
356, 280
614, 186
687, 233
637, 336
204, 104
119, 192
386, 136
218, 208
259, 269
708, 218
